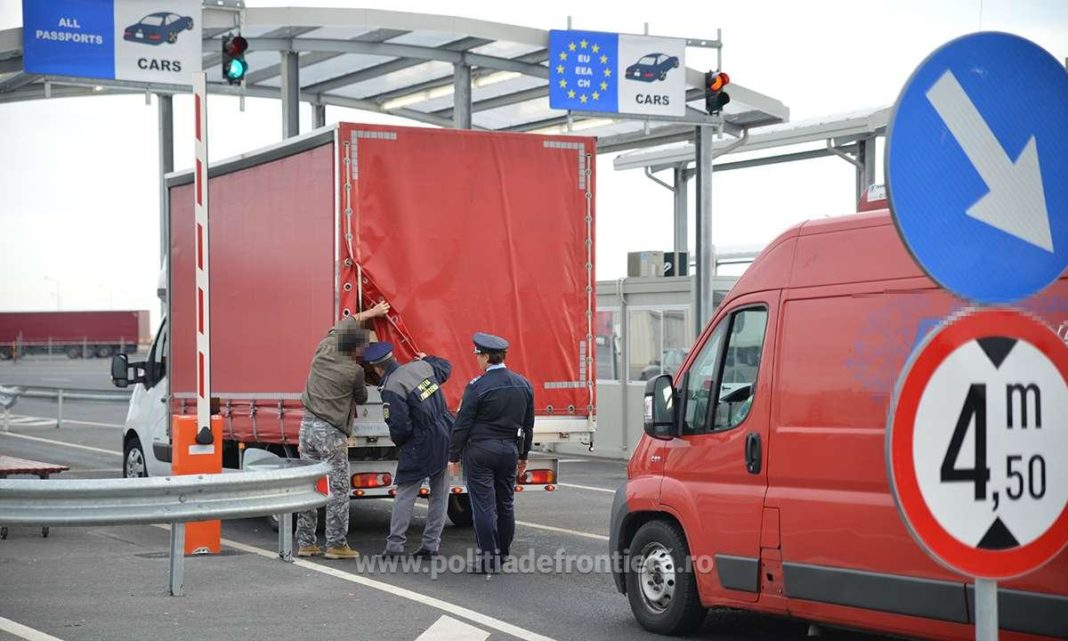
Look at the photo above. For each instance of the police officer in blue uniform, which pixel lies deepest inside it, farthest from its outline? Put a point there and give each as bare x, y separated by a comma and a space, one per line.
413, 405
493, 433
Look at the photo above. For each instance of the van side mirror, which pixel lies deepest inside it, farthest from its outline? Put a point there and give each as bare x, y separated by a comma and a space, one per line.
120, 369
659, 415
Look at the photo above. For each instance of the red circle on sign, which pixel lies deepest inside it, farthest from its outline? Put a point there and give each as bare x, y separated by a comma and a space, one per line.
921, 522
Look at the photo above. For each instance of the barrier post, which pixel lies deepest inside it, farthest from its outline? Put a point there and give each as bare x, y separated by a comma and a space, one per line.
177, 578
192, 455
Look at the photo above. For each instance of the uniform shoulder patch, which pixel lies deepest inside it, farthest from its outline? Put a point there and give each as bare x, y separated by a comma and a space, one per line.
473, 380
385, 411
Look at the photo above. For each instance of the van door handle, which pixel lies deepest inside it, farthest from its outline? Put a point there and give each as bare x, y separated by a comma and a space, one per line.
752, 452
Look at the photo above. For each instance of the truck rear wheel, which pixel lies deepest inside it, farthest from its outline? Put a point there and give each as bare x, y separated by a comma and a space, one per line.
104, 351
6, 353
460, 510
660, 583
74, 351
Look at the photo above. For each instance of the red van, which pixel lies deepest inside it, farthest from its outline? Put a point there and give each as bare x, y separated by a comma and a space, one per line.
761, 481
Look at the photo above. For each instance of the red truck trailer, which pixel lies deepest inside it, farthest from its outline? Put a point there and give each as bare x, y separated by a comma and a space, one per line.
459, 231
76, 334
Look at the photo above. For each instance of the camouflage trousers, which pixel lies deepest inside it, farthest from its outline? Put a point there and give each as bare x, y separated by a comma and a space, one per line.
321, 441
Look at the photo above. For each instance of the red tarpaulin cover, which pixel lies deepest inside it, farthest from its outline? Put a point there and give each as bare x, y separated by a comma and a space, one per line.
464, 231
459, 231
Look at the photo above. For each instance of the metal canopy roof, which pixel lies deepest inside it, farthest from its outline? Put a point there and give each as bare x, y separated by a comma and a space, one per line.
402, 64
839, 130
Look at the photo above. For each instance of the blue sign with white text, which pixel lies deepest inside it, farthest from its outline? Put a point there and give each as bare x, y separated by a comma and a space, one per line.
977, 168
69, 38
617, 73
150, 41
583, 71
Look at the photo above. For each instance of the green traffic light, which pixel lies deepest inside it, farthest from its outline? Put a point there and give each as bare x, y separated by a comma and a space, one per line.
236, 69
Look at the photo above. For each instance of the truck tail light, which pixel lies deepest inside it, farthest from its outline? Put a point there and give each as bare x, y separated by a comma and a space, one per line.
538, 477
366, 480
322, 486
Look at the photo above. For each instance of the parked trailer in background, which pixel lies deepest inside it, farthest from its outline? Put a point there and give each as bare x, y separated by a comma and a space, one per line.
76, 334
459, 231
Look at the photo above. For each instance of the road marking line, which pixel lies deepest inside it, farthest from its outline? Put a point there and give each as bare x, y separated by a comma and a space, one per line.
587, 487
538, 526
449, 629
31, 421
52, 421
445, 606
51, 442
573, 460
587, 535
23, 632
92, 423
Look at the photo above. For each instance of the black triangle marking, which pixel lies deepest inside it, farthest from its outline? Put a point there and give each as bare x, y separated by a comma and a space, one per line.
997, 348
998, 537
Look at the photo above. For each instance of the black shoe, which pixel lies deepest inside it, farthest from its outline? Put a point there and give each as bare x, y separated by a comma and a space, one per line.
423, 553
485, 566
388, 554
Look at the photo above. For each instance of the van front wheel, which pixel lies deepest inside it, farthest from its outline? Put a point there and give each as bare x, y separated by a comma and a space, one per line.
660, 583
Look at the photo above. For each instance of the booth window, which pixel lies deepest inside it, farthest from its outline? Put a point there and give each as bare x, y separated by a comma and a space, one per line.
658, 340
608, 332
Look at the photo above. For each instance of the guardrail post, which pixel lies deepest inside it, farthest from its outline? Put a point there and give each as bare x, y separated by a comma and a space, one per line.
177, 558
285, 537
59, 418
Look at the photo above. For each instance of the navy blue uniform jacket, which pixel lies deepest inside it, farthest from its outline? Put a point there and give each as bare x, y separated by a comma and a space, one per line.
497, 405
419, 422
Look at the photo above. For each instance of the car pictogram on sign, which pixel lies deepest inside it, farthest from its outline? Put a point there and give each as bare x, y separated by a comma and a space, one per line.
157, 28
652, 67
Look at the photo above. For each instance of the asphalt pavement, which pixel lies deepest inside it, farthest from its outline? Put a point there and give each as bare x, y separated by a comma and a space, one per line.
110, 582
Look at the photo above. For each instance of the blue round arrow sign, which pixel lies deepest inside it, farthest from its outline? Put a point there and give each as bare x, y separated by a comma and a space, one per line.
977, 167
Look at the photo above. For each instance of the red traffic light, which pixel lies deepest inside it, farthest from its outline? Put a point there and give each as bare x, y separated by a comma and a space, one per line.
715, 97
236, 46
719, 81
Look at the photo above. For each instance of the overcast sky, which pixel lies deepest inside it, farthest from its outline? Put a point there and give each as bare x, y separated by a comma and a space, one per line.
78, 177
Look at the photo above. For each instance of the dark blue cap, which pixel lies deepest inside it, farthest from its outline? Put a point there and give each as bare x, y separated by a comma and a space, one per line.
378, 352
489, 343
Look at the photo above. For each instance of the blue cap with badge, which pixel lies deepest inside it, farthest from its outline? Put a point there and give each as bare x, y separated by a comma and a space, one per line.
488, 343
379, 352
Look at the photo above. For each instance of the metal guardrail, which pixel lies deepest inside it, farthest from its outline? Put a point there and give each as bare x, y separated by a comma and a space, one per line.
277, 486
71, 394
10, 394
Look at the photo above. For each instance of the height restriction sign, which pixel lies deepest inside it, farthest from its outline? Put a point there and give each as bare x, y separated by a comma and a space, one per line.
977, 444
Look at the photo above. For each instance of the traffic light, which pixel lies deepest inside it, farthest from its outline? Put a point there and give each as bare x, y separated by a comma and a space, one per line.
234, 66
715, 97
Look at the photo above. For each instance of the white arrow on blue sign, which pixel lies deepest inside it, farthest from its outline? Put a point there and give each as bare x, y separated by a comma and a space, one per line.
977, 167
